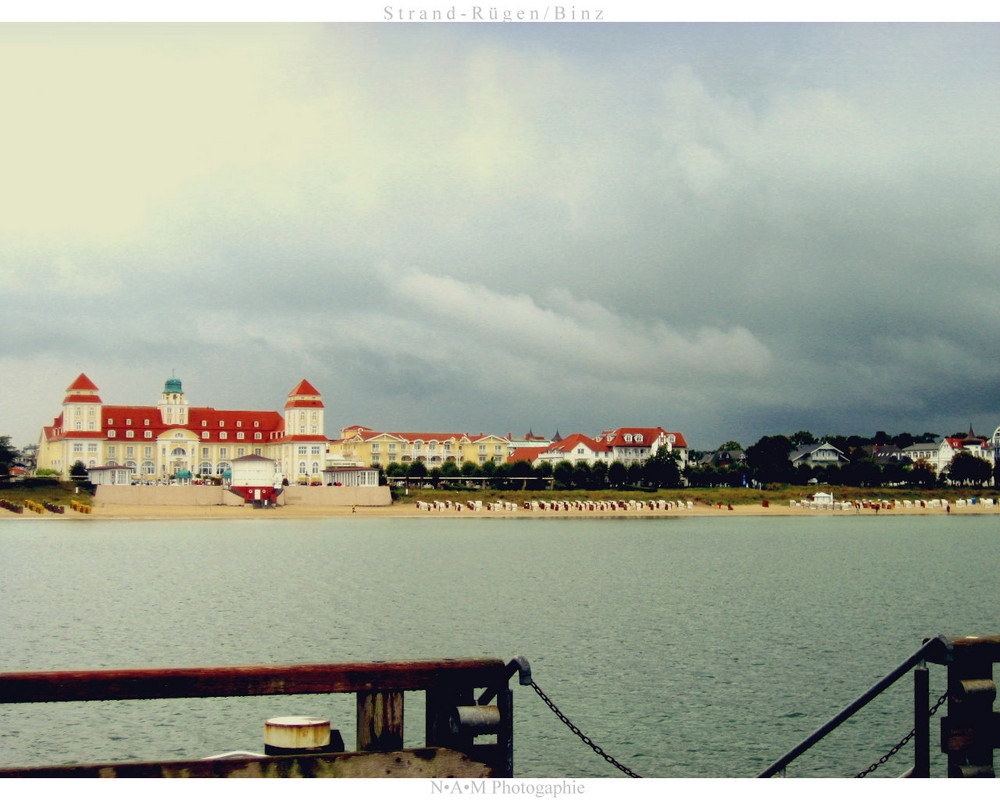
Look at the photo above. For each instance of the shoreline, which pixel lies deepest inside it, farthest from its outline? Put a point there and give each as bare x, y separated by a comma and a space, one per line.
410, 510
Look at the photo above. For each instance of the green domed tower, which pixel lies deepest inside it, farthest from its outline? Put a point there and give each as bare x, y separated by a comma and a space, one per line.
173, 406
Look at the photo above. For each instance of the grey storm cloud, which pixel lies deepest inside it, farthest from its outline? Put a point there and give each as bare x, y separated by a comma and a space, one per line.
728, 230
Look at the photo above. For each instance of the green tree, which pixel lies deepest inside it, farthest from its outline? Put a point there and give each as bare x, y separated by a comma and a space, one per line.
417, 470
730, 445
922, 474
7, 455
661, 470
802, 438
768, 459
562, 472
617, 475
967, 469
522, 471
581, 475
599, 475
78, 470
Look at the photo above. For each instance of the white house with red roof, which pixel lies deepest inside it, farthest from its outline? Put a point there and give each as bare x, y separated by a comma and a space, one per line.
173, 439
626, 445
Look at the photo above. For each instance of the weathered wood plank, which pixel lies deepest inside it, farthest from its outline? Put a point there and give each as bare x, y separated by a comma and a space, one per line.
429, 762
35, 687
380, 721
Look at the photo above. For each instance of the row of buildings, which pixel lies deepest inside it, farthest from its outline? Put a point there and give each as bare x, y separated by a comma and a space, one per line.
173, 439
937, 455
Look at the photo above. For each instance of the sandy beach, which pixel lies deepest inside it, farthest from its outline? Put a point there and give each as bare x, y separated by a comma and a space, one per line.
137, 512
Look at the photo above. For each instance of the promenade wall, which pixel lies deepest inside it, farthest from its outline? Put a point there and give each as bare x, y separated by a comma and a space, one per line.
217, 496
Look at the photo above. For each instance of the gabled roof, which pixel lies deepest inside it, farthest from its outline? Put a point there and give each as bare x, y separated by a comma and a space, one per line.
617, 437
526, 453
574, 440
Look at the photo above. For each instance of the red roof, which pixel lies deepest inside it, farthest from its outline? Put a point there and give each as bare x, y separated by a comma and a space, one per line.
303, 387
571, 442
82, 390
526, 453
616, 437
82, 384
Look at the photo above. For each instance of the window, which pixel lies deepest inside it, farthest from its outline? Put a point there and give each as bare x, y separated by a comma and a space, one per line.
130, 452
178, 451
256, 423
148, 434
145, 422
302, 450
111, 451
129, 434
241, 451
92, 447
375, 447
223, 435
78, 447
638, 438
90, 425
111, 422
204, 452
239, 434
147, 452
239, 423
315, 450
392, 447
258, 436
223, 452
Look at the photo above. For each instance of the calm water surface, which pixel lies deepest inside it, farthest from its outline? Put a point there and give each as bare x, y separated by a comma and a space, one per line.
684, 647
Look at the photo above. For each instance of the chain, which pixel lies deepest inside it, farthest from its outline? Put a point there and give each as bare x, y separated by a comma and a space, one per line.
903, 741
585, 739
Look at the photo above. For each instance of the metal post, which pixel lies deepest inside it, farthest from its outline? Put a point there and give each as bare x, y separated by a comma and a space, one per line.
921, 724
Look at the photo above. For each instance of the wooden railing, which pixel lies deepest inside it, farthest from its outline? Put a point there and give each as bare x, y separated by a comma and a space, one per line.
971, 730
451, 747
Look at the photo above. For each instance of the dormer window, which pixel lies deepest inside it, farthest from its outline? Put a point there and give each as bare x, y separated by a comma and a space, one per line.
628, 438
638, 438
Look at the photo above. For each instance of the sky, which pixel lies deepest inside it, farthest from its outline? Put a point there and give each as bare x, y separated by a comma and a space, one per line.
728, 230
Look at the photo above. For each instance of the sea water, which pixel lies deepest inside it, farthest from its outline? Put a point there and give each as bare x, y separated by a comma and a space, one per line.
702, 647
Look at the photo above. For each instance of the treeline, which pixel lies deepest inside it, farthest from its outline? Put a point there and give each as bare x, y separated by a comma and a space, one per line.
870, 462
660, 471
